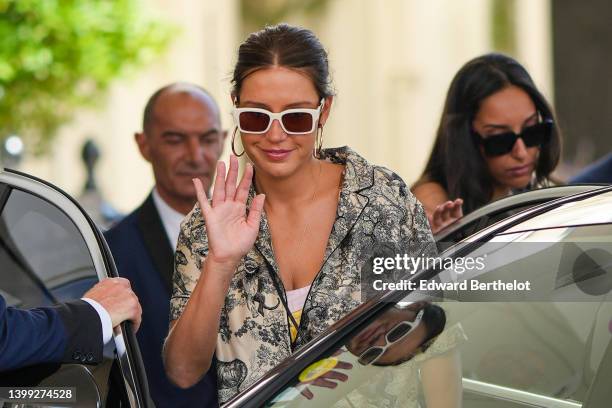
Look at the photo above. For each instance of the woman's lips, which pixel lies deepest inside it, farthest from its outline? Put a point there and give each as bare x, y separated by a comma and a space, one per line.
276, 154
520, 171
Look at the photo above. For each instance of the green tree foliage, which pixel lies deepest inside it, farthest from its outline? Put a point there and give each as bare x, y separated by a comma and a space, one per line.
503, 26
59, 55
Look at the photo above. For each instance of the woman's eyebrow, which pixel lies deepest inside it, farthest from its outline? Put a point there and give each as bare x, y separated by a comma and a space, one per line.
292, 105
530, 118
300, 104
497, 126
253, 104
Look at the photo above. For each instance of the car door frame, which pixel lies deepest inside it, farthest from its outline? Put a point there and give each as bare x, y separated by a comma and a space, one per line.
481, 216
130, 362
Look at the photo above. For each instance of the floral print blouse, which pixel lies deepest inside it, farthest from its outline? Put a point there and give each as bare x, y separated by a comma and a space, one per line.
376, 214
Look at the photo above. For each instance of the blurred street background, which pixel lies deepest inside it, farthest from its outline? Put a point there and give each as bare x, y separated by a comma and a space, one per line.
391, 60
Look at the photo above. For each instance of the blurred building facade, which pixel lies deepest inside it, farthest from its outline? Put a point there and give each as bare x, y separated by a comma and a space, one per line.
583, 57
391, 63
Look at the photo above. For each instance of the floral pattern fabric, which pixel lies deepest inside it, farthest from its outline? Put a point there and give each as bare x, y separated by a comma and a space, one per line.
376, 214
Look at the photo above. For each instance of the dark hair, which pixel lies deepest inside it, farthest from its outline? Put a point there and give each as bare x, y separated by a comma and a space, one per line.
434, 319
286, 46
455, 161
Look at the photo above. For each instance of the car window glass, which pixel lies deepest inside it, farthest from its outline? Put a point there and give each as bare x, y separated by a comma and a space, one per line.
480, 224
487, 349
44, 257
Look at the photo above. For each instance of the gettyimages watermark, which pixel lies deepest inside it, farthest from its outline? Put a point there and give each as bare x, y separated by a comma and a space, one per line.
414, 264
498, 271
459, 265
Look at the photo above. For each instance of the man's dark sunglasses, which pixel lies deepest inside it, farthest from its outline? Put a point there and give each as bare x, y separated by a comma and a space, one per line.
502, 143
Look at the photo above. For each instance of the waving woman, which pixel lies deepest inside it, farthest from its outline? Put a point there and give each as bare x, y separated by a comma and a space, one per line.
273, 260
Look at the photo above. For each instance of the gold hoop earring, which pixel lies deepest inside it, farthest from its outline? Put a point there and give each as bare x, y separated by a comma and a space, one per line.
233, 148
319, 143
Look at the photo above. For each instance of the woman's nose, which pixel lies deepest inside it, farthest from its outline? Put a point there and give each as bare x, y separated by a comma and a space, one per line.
276, 132
519, 150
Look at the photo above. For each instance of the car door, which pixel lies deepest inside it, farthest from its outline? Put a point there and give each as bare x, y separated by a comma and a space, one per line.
51, 251
485, 353
542, 346
550, 347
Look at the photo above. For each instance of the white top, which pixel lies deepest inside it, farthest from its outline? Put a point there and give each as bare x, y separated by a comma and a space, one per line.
296, 298
171, 219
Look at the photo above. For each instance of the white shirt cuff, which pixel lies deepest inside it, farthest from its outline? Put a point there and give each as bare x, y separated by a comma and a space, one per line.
105, 319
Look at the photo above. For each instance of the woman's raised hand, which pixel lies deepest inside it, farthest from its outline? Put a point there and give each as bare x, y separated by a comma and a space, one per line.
231, 232
445, 214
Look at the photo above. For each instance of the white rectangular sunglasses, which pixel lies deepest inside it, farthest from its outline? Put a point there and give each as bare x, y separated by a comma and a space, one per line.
299, 121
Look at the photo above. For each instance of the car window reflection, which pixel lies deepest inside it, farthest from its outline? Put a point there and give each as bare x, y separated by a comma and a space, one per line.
398, 335
396, 360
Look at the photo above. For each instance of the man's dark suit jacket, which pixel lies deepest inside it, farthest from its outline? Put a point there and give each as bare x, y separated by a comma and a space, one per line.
598, 172
142, 253
69, 332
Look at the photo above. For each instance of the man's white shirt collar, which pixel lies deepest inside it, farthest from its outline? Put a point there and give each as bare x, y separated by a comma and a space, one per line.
171, 219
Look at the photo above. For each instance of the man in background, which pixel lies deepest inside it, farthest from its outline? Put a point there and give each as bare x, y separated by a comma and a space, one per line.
182, 139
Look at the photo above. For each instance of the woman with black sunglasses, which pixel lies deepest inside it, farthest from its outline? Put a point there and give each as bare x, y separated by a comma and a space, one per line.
275, 259
497, 135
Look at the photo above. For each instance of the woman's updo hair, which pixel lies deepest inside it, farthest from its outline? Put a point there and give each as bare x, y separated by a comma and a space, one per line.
286, 46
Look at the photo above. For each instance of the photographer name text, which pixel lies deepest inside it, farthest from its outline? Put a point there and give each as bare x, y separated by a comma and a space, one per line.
473, 285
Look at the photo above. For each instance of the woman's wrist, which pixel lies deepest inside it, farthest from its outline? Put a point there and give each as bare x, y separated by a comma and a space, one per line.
219, 271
